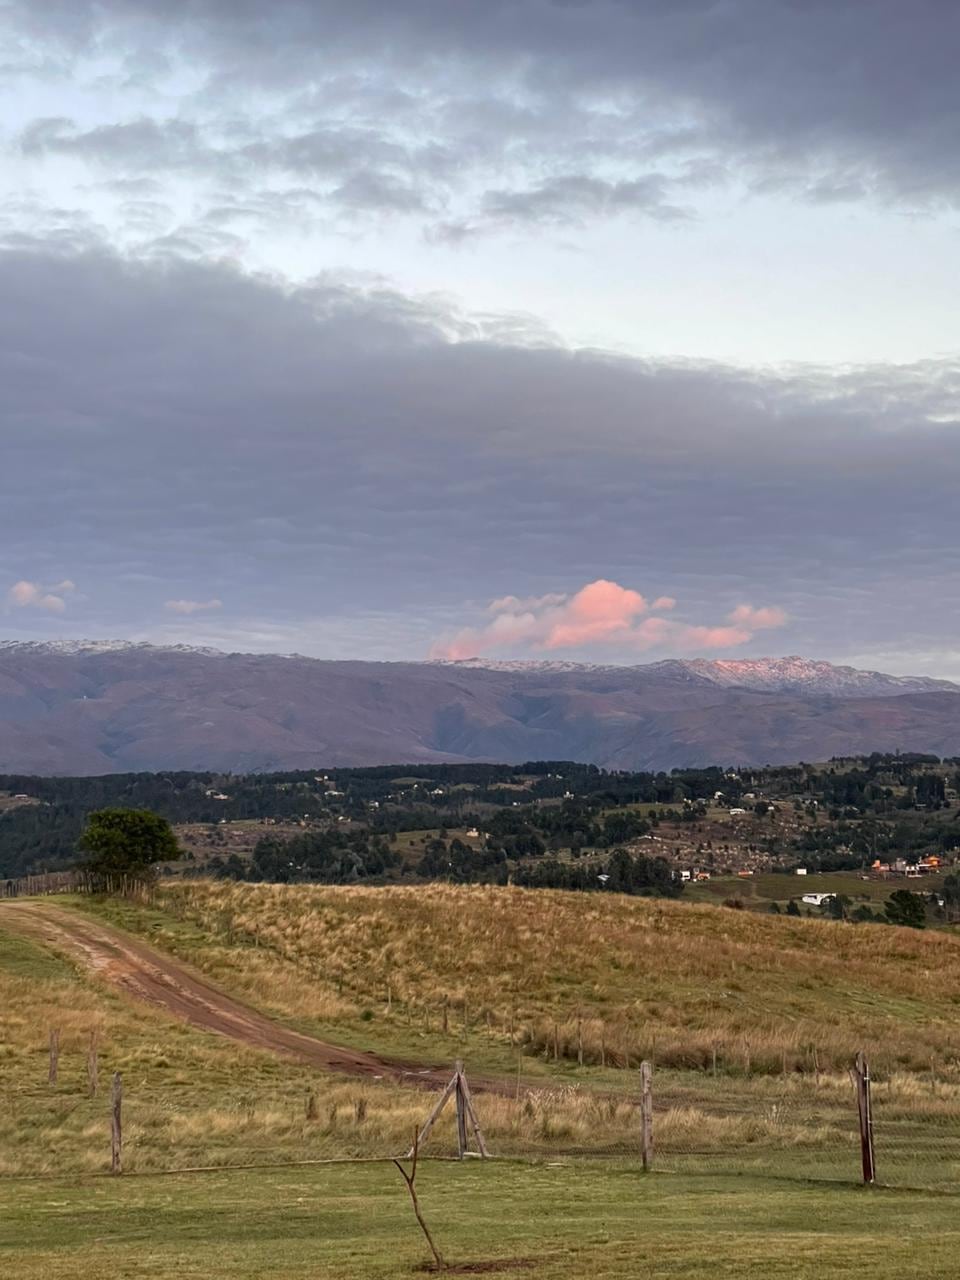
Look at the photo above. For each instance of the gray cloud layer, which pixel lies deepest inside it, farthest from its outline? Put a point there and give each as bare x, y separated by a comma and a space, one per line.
473, 117
178, 431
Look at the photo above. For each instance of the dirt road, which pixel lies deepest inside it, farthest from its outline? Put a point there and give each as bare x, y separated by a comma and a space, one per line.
142, 971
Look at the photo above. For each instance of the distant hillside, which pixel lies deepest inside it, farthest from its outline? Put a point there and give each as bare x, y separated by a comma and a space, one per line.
100, 708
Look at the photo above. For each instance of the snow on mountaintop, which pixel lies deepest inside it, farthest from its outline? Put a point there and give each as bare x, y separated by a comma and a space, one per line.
793, 674
797, 674
69, 648
776, 675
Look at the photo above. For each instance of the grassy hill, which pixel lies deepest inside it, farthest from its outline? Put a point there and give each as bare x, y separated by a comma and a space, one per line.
504, 978
437, 968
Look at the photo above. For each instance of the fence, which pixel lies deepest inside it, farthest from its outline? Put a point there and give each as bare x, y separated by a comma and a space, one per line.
794, 1127
47, 882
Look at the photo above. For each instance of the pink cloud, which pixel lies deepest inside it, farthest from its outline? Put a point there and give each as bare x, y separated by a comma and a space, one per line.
601, 613
597, 612
757, 619
31, 595
692, 638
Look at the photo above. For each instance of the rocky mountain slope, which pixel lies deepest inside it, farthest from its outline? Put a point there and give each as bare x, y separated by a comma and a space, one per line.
102, 707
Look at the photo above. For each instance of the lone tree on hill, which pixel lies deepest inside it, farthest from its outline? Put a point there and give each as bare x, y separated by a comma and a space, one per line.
127, 842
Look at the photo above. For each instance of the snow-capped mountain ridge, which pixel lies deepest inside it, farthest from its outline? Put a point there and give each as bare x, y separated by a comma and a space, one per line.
792, 674
89, 707
71, 648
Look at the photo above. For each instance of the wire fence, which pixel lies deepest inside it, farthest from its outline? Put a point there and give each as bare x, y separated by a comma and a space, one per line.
797, 1126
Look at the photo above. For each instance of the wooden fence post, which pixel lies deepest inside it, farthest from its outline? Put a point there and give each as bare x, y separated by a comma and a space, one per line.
116, 1128
54, 1055
646, 1115
461, 1112
861, 1077
472, 1114
93, 1069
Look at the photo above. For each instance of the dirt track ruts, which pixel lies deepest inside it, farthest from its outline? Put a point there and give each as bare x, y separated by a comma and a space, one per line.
148, 974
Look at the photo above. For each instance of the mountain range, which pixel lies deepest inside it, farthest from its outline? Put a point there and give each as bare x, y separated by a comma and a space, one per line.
81, 708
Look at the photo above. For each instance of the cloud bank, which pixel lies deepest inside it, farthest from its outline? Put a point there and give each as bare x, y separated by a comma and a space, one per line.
354, 463
601, 614
475, 119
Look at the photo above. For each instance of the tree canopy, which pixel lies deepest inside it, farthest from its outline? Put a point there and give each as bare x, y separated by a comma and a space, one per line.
127, 841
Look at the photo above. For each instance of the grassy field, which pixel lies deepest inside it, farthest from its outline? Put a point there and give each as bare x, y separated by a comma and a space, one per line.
759, 890
686, 986
195, 1099
676, 981
344, 1222
190, 1098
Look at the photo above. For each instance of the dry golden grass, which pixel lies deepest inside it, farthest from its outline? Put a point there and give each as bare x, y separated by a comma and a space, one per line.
193, 1099
190, 1098
627, 978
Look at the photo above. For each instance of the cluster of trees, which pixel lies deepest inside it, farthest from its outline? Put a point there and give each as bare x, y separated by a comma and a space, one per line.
902, 908
461, 864
621, 873
322, 857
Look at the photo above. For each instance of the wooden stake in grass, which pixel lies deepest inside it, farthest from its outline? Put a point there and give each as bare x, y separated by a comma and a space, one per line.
861, 1079
410, 1179
54, 1055
116, 1128
646, 1115
461, 1112
93, 1068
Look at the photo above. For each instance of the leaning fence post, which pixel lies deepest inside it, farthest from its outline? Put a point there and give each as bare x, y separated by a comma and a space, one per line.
861, 1075
54, 1055
646, 1115
116, 1130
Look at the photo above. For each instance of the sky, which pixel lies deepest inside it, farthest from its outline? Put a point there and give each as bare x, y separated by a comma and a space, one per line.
594, 330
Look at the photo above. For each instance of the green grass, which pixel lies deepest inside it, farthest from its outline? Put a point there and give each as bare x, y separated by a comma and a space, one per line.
353, 1222
766, 887
20, 958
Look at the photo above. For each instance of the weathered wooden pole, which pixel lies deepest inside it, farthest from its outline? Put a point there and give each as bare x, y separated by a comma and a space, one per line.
461, 1112
93, 1066
471, 1112
116, 1127
54, 1055
646, 1115
862, 1079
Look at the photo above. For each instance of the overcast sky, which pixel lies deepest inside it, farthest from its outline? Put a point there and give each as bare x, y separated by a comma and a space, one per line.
586, 329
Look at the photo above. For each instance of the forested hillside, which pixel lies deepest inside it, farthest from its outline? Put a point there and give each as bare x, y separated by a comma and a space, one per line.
546, 823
